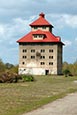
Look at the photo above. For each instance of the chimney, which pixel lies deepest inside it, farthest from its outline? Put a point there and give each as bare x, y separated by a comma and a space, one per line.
42, 15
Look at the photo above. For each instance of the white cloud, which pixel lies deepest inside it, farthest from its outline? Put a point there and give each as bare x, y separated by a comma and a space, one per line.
71, 20
9, 34
67, 43
62, 20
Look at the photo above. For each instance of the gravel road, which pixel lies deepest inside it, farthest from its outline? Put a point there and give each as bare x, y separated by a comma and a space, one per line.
64, 106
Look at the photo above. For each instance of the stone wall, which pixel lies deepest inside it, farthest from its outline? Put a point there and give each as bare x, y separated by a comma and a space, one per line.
49, 58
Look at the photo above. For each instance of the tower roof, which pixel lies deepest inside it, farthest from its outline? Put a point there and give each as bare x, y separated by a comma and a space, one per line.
49, 37
41, 21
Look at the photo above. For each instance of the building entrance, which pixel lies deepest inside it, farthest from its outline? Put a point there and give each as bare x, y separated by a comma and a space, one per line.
46, 72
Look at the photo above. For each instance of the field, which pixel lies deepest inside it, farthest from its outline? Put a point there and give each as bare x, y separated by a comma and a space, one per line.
17, 98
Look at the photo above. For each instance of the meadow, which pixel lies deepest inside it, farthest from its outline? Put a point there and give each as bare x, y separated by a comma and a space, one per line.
17, 98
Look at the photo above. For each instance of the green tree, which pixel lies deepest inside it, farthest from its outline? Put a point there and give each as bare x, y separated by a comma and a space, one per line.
66, 72
2, 66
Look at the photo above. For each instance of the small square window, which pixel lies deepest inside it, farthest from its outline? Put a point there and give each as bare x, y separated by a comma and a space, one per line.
50, 57
42, 57
42, 63
33, 50
24, 50
24, 57
50, 50
23, 63
42, 50
32, 57
50, 63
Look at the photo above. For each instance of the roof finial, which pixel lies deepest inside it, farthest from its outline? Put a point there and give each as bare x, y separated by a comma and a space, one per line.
42, 15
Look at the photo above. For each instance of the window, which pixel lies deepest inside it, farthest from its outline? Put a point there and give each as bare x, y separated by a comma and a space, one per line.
42, 63
50, 57
35, 27
32, 50
23, 63
24, 50
32, 57
40, 36
42, 57
50, 63
44, 27
24, 57
35, 36
42, 50
50, 50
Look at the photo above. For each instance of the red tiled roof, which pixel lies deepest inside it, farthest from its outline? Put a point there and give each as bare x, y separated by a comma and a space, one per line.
49, 37
41, 21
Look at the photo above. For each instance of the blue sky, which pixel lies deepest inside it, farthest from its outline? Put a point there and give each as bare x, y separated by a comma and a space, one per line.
16, 15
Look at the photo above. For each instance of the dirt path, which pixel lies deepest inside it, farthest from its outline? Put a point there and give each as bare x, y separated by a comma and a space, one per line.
64, 106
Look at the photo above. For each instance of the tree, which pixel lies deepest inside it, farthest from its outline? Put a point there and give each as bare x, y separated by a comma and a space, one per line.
9, 66
14, 69
2, 66
66, 72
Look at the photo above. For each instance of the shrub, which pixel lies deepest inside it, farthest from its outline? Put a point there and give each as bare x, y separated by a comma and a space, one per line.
66, 72
7, 77
27, 77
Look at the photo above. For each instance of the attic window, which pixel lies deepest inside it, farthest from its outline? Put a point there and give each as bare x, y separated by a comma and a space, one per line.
44, 27
35, 36
40, 36
35, 27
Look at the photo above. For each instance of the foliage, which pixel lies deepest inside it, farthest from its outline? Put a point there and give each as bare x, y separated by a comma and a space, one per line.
71, 67
14, 69
7, 77
27, 77
66, 72
9, 66
2, 66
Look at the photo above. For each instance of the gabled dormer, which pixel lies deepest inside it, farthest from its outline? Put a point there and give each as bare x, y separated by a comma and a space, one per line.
38, 35
41, 23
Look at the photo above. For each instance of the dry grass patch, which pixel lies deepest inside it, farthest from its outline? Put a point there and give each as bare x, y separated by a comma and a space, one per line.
17, 98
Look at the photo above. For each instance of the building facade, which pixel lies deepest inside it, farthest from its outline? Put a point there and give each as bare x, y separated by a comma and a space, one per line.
40, 51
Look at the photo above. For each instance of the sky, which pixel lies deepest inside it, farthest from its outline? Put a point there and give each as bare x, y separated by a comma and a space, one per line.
16, 15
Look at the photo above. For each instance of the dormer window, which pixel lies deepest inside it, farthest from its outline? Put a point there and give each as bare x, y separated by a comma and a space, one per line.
35, 36
44, 27
35, 27
38, 36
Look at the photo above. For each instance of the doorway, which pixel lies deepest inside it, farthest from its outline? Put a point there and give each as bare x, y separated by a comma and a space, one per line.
46, 72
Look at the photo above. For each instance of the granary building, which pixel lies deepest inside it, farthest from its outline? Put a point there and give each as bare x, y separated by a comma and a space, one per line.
40, 51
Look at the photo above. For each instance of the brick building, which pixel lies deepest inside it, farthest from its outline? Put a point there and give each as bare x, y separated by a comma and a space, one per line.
40, 51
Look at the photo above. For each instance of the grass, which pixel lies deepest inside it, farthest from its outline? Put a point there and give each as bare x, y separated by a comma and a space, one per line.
17, 98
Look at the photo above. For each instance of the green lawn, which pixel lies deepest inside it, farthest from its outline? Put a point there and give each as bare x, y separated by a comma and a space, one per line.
17, 98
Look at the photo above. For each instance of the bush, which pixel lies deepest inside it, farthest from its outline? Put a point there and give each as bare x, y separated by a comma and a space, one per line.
66, 72
27, 77
7, 77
